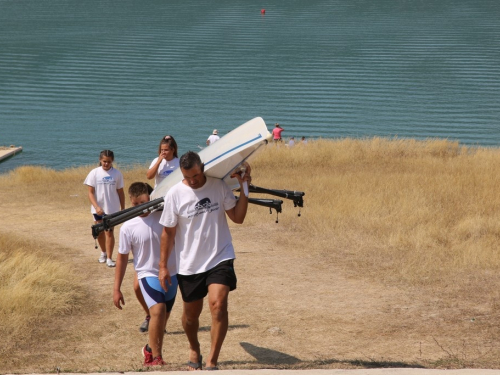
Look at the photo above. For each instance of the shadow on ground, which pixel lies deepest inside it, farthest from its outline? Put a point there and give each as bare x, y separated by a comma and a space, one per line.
276, 359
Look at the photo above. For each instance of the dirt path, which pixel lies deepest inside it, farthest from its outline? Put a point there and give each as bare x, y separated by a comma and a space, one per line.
294, 308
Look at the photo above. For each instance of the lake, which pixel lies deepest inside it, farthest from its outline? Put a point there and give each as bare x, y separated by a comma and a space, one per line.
77, 77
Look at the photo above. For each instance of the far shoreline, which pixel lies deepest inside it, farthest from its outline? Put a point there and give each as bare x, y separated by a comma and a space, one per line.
311, 140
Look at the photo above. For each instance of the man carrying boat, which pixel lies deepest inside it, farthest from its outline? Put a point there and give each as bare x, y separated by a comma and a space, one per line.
194, 218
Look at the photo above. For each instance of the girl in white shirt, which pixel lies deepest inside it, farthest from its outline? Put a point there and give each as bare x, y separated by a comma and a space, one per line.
166, 162
105, 191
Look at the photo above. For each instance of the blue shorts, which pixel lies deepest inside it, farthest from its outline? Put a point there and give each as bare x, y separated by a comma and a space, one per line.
153, 293
98, 217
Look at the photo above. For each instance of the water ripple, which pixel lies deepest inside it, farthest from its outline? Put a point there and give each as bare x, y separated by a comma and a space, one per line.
92, 75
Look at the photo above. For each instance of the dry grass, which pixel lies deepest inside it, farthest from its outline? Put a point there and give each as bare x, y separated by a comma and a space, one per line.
415, 212
59, 187
34, 288
395, 257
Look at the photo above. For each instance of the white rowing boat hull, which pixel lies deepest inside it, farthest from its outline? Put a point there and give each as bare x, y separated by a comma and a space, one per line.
224, 156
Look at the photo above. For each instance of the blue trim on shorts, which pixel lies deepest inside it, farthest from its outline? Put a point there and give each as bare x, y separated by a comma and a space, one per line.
154, 290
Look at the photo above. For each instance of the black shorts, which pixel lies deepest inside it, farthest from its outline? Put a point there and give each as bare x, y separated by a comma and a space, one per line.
195, 287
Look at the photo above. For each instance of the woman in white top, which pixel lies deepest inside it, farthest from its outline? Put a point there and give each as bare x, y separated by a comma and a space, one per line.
105, 191
166, 162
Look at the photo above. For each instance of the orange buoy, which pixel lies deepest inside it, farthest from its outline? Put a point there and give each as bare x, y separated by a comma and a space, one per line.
262, 11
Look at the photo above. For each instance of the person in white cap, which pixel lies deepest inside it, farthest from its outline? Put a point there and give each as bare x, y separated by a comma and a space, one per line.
213, 137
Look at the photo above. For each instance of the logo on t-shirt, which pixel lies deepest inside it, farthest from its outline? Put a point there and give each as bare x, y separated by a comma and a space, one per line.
204, 206
166, 172
108, 180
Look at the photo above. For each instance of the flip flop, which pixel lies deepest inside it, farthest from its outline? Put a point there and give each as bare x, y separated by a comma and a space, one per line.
195, 365
214, 368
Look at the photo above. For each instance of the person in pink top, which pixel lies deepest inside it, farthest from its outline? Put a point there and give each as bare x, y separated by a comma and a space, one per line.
277, 133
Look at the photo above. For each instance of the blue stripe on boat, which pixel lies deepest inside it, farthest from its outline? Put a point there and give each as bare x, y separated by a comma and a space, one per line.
234, 148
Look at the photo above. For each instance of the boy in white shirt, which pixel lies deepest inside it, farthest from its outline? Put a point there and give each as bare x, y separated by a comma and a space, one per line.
142, 236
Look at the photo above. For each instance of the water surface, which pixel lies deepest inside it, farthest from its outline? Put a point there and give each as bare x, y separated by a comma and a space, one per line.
77, 77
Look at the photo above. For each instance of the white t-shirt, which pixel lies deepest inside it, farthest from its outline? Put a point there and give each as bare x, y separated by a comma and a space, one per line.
202, 237
165, 168
105, 184
213, 138
142, 236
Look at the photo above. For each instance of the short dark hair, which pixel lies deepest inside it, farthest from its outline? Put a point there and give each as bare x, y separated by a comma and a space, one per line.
170, 141
139, 188
189, 160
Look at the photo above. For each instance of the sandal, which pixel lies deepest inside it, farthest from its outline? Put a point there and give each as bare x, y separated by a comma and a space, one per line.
195, 365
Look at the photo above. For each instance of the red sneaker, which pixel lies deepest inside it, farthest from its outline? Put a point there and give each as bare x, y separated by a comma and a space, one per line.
148, 355
158, 361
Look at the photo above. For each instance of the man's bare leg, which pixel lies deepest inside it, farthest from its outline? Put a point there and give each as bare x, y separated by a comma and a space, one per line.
191, 324
217, 300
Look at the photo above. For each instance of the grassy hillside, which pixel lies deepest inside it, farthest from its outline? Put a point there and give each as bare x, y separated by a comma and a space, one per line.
403, 213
